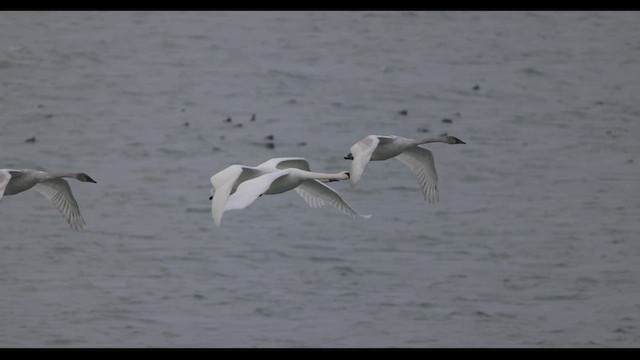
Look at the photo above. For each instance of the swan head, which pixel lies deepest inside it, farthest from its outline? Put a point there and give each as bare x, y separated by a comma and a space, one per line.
349, 156
344, 175
85, 178
454, 140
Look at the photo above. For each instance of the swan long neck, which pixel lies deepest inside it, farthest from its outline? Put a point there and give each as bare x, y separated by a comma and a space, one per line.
430, 139
50, 176
325, 176
78, 176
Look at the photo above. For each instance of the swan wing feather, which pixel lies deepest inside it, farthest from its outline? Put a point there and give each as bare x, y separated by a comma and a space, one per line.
361, 152
248, 191
225, 183
59, 193
316, 195
420, 162
5, 177
286, 162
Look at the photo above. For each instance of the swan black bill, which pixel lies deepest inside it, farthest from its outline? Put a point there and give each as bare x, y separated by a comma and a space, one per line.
458, 141
211, 197
349, 157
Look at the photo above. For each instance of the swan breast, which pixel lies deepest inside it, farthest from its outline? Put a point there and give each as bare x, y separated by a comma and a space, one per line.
288, 179
389, 148
19, 182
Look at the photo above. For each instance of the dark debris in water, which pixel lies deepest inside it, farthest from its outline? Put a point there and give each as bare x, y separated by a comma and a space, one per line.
31, 140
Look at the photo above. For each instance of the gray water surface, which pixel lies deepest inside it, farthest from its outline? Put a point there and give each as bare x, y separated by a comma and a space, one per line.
534, 242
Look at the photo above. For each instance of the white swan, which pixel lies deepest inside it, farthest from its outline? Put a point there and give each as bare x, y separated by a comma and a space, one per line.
51, 185
237, 186
419, 160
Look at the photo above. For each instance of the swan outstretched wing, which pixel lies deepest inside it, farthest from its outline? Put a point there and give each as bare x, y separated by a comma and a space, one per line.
220, 197
225, 183
59, 193
317, 194
420, 162
286, 162
233, 174
361, 152
5, 176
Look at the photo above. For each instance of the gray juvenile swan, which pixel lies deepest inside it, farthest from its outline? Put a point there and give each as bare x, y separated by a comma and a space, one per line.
51, 185
418, 159
237, 186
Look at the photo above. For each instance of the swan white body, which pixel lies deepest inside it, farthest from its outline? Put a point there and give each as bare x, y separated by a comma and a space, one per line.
418, 159
237, 186
51, 185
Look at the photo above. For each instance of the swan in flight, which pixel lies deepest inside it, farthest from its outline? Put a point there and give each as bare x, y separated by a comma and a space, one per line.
237, 186
51, 185
418, 159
